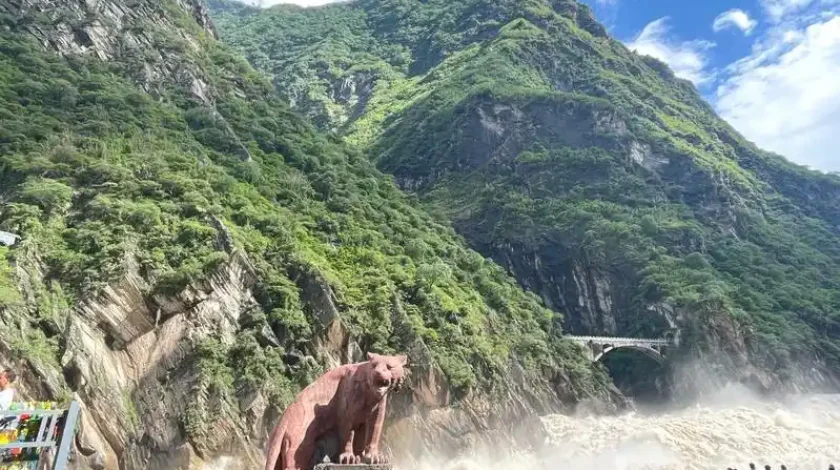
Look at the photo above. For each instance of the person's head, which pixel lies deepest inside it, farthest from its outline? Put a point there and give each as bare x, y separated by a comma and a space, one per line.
7, 377
784, 468
766, 467
831, 467
752, 466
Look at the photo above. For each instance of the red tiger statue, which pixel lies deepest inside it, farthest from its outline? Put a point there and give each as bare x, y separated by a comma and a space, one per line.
349, 400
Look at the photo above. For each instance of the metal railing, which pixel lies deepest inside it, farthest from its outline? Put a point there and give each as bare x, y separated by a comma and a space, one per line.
55, 431
620, 341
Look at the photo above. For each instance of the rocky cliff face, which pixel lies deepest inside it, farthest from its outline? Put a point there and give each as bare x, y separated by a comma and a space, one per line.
193, 253
131, 360
511, 143
113, 30
596, 177
153, 41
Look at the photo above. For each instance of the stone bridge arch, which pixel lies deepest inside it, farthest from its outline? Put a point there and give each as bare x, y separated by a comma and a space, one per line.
650, 352
642, 374
599, 346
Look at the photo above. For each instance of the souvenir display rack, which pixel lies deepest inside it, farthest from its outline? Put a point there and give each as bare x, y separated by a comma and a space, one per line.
31, 430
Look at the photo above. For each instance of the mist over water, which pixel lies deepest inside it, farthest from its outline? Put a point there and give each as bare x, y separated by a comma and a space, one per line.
730, 428
803, 432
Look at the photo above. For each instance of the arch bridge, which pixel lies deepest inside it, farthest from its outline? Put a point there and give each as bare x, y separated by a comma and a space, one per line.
600, 346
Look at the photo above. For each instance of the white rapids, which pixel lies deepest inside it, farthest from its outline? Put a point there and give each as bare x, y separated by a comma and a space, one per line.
729, 430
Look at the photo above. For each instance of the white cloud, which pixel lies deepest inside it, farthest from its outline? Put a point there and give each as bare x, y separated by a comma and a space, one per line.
686, 58
785, 96
778, 9
734, 18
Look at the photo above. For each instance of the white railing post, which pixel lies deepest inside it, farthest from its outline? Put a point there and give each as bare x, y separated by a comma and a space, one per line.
66, 442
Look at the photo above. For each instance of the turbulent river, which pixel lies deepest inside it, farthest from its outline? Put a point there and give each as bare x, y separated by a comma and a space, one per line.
730, 429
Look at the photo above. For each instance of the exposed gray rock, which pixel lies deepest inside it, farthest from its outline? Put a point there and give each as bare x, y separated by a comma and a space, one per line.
120, 309
134, 396
353, 92
641, 154
610, 123
268, 337
112, 30
594, 301
321, 304
585, 293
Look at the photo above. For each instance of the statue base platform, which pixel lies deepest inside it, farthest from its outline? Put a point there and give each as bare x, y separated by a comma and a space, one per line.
362, 466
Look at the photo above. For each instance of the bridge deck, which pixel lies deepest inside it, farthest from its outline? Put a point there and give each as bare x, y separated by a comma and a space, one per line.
620, 341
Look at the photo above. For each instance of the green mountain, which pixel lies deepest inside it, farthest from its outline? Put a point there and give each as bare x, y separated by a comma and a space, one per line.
193, 252
601, 181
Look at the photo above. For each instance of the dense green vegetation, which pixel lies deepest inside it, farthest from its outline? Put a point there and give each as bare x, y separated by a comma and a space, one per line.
8, 291
99, 177
541, 138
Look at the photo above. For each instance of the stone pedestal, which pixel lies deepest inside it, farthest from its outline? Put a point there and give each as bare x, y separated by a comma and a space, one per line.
335, 466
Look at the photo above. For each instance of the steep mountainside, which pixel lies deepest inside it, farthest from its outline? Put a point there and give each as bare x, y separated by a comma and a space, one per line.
193, 252
600, 180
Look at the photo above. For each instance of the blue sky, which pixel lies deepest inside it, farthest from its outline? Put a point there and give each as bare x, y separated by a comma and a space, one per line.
769, 67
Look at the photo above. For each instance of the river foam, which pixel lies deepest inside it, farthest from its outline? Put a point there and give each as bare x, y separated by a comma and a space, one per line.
730, 429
